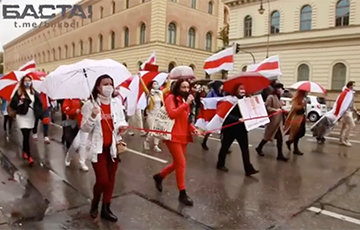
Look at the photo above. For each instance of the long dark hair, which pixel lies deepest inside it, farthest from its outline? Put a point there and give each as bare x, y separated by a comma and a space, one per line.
150, 85
22, 89
95, 92
176, 89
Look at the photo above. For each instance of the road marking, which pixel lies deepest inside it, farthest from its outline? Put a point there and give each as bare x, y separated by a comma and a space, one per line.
334, 138
147, 156
132, 151
335, 215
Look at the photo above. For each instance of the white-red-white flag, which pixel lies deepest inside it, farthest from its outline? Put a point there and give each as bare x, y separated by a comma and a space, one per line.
150, 60
270, 67
207, 111
223, 108
223, 60
29, 66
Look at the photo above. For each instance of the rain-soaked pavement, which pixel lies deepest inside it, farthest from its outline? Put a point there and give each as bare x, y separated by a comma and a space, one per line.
282, 196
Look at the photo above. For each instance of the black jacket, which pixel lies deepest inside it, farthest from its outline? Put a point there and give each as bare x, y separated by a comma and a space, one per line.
38, 108
234, 117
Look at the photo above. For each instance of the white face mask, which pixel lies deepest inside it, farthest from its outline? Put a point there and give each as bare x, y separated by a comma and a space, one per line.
107, 90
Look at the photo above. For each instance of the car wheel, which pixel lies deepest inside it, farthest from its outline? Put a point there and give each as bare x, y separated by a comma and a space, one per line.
313, 117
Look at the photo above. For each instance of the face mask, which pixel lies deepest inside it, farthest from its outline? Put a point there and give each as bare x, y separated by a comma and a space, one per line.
107, 90
156, 87
184, 94
27, 84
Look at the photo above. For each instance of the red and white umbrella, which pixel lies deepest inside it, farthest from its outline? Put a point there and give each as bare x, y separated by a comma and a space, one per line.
10, 83
308, 86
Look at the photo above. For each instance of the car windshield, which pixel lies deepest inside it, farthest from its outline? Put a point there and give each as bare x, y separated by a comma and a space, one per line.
321, 100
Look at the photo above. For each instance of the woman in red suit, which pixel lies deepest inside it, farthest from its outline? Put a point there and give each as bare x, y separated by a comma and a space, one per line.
178, 105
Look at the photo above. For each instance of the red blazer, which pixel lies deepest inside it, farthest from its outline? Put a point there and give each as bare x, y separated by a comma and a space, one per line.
70, 106
181, 132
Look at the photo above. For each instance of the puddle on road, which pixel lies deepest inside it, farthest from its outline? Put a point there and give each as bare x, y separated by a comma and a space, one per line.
19, 200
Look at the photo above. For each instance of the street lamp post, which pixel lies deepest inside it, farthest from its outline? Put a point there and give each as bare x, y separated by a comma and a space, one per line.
262, 11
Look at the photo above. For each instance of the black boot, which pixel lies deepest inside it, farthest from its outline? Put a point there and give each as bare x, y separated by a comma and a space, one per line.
106, 213
204, 146
296, 148
158, 182
259, 148
280, 156
251, 171
185, 199
94, 210
288, 145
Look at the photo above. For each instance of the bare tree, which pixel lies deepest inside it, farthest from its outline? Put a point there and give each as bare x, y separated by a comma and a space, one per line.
224, 37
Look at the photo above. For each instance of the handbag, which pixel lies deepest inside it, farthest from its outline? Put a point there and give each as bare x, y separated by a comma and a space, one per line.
162, 123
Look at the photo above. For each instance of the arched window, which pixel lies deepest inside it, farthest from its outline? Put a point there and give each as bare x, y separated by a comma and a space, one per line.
275, 22
53, 55
244, 68
112, 40
101, 12
100, 43
208, 46
81, 48
193, 4
90, 45
207, 76
43, 57
59, 50
192, 66
171, 66
113, 7
142, 33
338, 76
73, 49
66, 51
210, 7
127, 4
172, 33
248, 26
139, 65
48, 56
342, 13
126, 37
191, 39
305, 18
124, 64
303, 73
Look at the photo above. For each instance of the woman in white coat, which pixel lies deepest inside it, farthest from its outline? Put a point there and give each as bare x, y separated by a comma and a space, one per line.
104, 120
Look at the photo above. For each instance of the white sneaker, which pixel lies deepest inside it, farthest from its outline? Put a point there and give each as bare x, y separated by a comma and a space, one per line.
35, 136
143, 133
157, 149
146, 145
131, 133
47, 140
83, 167
67, 160
347, 143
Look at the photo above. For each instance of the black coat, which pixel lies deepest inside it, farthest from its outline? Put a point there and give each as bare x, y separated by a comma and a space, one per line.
234, 117
38, 108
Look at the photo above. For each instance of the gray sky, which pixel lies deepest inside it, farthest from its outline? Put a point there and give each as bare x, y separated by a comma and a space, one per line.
8, 31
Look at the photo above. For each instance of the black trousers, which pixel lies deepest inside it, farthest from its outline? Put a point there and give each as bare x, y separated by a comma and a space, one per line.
228, 137
7, 121
26, 141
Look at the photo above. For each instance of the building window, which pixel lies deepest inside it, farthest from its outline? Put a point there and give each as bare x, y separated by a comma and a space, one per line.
192, 66
112, 40
73, 49
81, 48
126, 37
126, 4
275, 22
303, 73
305, 18
342, 13
124, 64
48, 56
172, 33
53, 54
139, 65
100, 43
44, 58
142, 33
191, 39
244, 68
208, 41
59, 53
248, 26
171, 66
338, 76
207, 76
101, 12
90, 45
66, 51
210, 7
193, 4
113, 7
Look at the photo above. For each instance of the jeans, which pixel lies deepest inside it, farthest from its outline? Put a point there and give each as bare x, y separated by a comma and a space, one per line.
26, 141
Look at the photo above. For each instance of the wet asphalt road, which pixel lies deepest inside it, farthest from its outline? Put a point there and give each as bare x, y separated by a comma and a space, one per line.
49, 196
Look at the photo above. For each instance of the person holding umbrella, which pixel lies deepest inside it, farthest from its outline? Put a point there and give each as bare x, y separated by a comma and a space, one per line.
103, 118
216, 91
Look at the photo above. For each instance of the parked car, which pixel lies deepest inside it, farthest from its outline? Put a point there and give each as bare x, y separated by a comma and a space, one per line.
315, 108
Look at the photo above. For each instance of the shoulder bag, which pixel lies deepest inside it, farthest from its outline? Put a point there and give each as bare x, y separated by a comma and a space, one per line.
162, 125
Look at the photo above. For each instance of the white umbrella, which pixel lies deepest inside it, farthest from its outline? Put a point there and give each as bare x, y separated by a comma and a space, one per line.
77, 80
308, 86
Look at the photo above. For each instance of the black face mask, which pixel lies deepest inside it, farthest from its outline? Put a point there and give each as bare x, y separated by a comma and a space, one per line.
184, 94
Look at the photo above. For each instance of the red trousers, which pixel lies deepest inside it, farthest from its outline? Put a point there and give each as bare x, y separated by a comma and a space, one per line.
177, 151
105, 171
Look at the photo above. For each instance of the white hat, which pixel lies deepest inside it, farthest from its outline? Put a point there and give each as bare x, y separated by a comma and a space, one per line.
182, 72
